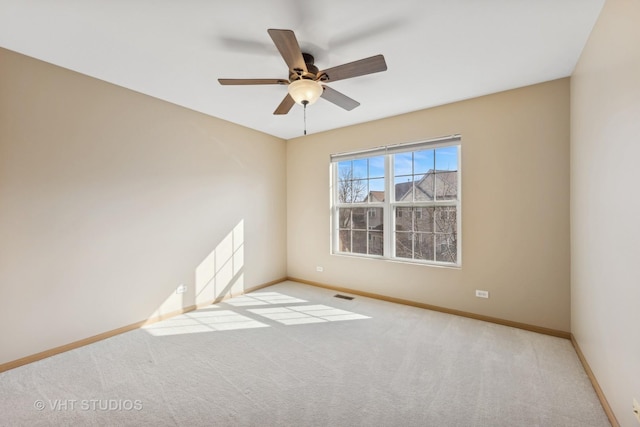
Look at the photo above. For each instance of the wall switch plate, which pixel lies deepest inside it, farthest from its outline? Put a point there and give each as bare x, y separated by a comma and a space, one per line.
482, 294
181, 289
320, 269
636, 409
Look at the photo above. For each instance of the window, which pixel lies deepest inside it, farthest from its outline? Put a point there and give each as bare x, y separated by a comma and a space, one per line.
399, 202
359, 196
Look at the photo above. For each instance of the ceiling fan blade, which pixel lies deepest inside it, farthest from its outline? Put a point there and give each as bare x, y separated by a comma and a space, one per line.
287, 44
370, 65
285, 105
253, 81
338, 98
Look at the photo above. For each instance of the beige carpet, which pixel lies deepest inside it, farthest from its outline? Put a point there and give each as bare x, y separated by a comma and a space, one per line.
294, 355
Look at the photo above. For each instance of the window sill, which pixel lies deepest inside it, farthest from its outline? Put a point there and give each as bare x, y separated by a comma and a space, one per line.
398, 260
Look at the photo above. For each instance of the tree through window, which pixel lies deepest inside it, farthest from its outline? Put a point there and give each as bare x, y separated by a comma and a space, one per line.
360, 194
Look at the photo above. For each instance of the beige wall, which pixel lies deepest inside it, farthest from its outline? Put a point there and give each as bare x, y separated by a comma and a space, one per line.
605, 208
515, 207
110, 199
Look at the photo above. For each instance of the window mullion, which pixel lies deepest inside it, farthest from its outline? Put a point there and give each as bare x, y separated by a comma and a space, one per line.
388, 235
367, 233
458, 209
335, 226
434, 238
351, 230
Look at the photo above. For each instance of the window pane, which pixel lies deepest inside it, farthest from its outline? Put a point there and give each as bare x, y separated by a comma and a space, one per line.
446, 248
424, 187
376, 190
360, 188
345, 241
376, 219
404, 221
360, 168
447, 185
344, 218
359, 216
345, 188
423, 161
424, 219
402, 164
447, 159
403, 188
344, 168
352, 182
445, 219
376, 243
359, 242
404, 247
424, 246
447, 173
376, 184
376, 167
342, 192
376, 196
352, 191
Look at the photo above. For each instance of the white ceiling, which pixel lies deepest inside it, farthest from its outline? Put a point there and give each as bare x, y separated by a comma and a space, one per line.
437, 51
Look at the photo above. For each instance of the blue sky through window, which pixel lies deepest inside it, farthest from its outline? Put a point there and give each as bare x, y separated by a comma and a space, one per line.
372, 167
421, 162
405, 164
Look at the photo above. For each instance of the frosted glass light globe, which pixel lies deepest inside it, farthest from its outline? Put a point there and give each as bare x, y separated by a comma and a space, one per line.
305, 90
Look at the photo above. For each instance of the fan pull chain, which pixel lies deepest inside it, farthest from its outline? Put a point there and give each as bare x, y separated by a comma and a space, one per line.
304, 103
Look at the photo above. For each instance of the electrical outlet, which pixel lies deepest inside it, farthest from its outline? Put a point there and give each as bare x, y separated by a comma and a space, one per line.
319, 269
636, 409
181, 289
482, 294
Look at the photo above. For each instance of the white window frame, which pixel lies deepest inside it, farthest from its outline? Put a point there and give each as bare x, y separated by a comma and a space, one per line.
389, 204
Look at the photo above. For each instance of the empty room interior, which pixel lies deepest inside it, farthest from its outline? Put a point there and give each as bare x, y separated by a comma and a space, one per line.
448, 237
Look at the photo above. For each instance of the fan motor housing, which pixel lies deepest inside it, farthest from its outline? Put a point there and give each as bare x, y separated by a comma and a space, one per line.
312, 70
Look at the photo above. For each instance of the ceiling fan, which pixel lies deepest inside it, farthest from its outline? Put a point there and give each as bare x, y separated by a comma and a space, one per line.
305, 80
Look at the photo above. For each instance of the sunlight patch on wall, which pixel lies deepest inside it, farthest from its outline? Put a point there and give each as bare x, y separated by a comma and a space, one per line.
221, 272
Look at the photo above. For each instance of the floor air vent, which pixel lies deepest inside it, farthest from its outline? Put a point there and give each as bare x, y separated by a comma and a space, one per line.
343, 296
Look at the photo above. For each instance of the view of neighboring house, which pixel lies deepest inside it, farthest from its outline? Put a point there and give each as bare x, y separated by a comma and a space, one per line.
421, 230
424, 232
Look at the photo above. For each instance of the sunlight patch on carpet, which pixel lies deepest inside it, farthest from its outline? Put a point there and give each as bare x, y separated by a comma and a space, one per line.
263, 298
283, 309
307, 314
203, 321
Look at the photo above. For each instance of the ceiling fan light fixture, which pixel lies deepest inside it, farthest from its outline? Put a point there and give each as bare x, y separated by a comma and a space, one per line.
305, 91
